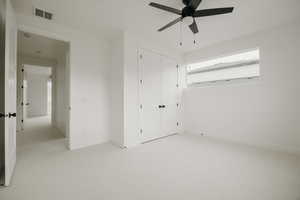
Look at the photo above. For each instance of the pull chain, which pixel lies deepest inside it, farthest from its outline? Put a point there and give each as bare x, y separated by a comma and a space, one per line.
194, 39
180, 33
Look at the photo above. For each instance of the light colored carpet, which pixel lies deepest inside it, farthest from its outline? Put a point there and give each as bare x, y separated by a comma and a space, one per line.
182, 167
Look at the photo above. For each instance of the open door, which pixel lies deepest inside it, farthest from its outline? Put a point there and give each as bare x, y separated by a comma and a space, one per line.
8, 90
2, 91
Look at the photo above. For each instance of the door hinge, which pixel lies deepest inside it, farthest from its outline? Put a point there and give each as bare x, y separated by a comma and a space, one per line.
22, 86
177, 66
141, 56
22, 104
22, 121
177, 85
141, 106
22, 70
141, 131
177, 123
141, 81
177, 104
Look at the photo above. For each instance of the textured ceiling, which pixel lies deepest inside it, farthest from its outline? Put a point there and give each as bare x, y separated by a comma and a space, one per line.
111, 16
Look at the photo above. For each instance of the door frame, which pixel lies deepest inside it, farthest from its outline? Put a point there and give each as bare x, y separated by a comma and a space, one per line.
55, 36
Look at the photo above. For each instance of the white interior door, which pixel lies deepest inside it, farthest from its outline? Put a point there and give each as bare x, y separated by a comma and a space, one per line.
10, 100
150, 95
170, 96
2, 91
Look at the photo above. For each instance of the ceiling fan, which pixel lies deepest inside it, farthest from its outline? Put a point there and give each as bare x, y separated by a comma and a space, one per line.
190, 10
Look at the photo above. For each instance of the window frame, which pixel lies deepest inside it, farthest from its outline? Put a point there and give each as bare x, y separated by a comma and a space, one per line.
219, 66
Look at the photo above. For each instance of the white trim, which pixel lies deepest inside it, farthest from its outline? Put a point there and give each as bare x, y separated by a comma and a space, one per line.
224, 55
267, 147
30, 29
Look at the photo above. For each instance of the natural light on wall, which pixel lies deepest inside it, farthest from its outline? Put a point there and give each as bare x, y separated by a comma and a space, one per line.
238, 66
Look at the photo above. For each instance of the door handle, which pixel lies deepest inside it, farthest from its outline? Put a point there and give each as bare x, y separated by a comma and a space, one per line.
161, 106
3, 115
27, 104
10, 115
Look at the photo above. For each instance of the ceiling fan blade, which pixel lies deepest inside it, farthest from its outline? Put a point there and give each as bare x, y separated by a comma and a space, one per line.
194, 3
213, 11
194, 27
165, 8
170, 24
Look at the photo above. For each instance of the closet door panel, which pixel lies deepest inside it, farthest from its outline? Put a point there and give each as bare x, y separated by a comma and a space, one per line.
170, 95
150, 95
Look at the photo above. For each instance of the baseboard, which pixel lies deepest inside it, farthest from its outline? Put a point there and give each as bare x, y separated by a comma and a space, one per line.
36, 116
117, 145
269, 147
159, 138
76, 146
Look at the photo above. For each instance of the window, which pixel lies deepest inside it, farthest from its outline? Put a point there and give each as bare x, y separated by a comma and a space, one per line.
238, 66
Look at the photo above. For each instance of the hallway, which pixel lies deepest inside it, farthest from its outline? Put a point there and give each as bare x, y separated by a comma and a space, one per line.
38, 135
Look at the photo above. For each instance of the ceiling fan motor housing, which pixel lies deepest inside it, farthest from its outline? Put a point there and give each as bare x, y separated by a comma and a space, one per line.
188, 11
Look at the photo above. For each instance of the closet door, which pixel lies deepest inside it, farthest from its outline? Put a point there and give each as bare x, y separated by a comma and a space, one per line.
150, 95
170, 96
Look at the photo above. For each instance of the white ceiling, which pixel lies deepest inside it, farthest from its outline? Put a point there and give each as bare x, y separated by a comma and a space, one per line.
38, 70
111, 16
38, 46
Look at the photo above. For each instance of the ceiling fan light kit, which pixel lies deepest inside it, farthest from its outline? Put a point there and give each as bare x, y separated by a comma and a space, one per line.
189, 13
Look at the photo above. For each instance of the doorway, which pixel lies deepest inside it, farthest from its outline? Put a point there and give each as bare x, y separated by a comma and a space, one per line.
43, 88
37, 94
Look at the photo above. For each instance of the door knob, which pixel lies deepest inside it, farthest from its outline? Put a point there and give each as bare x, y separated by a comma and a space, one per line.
3, 115
10, 115
161, 106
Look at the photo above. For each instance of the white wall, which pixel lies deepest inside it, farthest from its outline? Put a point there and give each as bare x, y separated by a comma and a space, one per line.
59, 95
117, 92
262, 112
37, 95
89, 80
